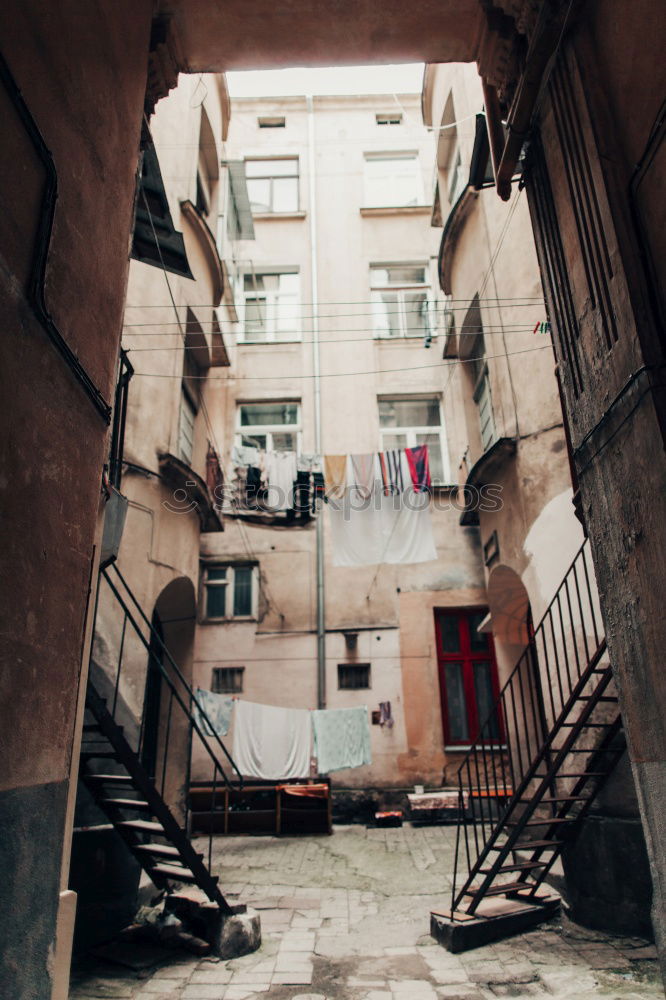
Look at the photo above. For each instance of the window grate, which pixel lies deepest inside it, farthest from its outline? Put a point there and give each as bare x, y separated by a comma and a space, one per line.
227, 680
353, 676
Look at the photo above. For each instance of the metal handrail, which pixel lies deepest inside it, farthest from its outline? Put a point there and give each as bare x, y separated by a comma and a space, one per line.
190, 693
517, 734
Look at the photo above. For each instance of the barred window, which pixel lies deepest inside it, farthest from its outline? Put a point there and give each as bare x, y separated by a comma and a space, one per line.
227, 680
353, 676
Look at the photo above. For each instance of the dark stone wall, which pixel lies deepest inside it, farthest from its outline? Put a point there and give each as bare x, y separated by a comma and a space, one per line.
31, 825
105, 877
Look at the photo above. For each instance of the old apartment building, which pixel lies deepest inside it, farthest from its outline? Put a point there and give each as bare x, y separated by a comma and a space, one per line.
573, 102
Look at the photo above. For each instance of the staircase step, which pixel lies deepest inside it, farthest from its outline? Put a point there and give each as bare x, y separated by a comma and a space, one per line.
543, 822
140, 804
142, 826
90, 727
583, 774
523, 866
499, 890
101, 754
111, 779
608, 698
528, 845
591, 750
566, 798
160, 850
587, 725
178, 874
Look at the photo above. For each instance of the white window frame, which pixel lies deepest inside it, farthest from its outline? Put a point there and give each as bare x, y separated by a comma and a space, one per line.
271, 177
410, 432
370, 201
401, 291
268, 430
229, 591
272, 300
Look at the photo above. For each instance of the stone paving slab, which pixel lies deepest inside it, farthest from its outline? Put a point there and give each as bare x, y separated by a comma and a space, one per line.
350, 921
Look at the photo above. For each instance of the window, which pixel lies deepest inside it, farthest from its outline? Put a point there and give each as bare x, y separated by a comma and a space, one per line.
353, 676
269, 426
272, 185
393, 180
208, 171
189, 405
400, 298
479, 372
227, 680
405, 423
271, 301
267, 121
392, 118
229, 591
467, 677
456, 179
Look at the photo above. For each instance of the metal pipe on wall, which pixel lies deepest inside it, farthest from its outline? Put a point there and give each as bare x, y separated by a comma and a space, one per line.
316, 371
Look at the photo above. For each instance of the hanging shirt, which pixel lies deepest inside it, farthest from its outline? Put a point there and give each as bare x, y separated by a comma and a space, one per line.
393, 464
271, 743
335, 474
216, 710
364, 473
385, 529
419, 467
281, 472
242, 455
342, 738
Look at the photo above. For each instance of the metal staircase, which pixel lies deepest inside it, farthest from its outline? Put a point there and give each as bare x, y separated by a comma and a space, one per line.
130, 791
550, 742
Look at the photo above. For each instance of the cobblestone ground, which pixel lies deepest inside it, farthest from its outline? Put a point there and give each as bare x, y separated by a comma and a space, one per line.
346, 918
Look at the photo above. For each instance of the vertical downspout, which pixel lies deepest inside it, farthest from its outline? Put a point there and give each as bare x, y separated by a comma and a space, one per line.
319, 521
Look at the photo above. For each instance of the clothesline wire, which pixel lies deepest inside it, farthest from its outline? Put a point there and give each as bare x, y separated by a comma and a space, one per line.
412, 339
525, 300
250, 552
377, 371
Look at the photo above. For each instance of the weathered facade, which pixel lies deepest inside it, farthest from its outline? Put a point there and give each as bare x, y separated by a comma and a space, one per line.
600, 243
507, 397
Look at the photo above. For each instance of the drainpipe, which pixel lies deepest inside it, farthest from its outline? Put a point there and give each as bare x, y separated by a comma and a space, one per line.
319, 521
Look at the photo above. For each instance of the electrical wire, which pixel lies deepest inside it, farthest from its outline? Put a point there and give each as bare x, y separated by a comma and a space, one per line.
465, 303
377, 371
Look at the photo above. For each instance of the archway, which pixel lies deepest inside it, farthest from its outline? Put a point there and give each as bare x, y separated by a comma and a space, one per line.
166, 730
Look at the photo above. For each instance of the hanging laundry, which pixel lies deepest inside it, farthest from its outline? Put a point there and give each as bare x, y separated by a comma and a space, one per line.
302, 493
390, 529
364, 472
242, 455
385, 716
335, 474
308, 463
318, 490
280, 475
216, 708
271, 743
342, 738
253, 485
419, 467
393, 477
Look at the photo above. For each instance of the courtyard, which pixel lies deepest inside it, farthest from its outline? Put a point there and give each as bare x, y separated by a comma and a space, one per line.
346, 917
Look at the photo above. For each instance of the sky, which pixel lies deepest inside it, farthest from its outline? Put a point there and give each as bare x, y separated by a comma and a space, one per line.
401, 79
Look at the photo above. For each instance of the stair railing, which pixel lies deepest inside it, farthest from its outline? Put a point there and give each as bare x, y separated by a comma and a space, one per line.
179, 713
553, 671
